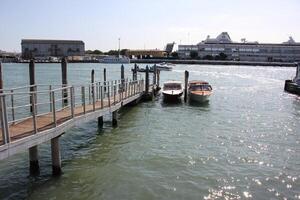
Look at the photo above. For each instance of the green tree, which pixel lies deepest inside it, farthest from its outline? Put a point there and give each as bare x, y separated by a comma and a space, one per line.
174, 54
222, 56
97, 52
208, 57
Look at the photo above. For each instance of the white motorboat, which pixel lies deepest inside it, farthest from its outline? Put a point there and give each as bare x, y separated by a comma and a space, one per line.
199, 91
172, 90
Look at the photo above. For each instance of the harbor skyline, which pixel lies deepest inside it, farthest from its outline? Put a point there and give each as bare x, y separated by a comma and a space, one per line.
147, 24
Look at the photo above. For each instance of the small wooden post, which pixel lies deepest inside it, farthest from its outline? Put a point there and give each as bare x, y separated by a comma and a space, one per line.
134, 72
122, 78
147, 80
93, 88
1, 78
64, 80
186, 80
154, 74
114, 119
158, 78
104, 79
56, 158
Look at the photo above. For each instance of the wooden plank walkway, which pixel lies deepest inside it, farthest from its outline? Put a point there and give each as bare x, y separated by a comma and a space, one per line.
25, 128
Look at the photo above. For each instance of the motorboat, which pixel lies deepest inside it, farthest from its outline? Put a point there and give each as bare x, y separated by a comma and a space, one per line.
293, 86
163, 67
172, 90
199, 91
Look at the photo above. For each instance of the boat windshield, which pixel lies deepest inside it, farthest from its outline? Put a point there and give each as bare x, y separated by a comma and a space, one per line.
172, 86
200, 87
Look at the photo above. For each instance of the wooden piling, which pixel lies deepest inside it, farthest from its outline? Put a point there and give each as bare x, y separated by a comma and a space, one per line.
93, 88
186, 80
147, 80
158, 78
1, 78
100, 122
34, 167
114, 118
31, 81
64, 80
56, 158
122, 78
104, 79
154, 74
134, 72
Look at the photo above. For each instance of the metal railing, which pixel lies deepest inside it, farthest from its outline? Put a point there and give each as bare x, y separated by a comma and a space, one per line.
29, 109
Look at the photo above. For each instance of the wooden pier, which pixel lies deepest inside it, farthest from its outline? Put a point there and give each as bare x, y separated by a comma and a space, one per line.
34, 114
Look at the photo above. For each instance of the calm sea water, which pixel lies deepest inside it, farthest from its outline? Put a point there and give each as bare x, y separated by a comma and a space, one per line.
243, 144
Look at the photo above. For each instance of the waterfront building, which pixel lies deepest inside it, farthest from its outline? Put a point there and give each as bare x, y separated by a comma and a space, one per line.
222, 47
33, 48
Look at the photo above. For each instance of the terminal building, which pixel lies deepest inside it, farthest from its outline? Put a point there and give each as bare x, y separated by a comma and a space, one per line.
244, 51
51, 48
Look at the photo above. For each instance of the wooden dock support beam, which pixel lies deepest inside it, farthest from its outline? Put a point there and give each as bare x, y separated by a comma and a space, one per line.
34, 167
115, 118
186, 80
1, 78
100, 122
134, 72
93, 88
56, 158
64, 80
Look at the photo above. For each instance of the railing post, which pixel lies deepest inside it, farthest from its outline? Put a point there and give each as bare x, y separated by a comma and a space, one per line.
101, 95
108, 94
72, 101
34, 112
83, 98
53, 108
93, 89
50, 98
12, 105
4, 122
114, 90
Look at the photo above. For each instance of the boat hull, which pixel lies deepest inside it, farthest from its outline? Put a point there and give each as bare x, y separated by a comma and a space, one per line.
171, 97
199, 97
292, 87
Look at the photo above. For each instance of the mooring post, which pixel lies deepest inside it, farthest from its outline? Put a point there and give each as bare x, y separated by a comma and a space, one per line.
114, 118
158, 78
154, 74
122, 78
93, 88
31, 81
186, 80
134, 72
147, 80
64, 81
104, 79
33, 151
1, 78
56, 159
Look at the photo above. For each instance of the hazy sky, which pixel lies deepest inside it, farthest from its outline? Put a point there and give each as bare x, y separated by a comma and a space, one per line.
146, 23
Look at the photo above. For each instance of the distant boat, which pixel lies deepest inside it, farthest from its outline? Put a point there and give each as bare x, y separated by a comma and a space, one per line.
172, 90
115, 59
199, 91
163, 66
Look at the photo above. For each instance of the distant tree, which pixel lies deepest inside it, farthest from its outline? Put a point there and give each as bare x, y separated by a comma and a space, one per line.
208, 57
89, 52
222, 56
97, 52
123, 52
194, 54
112, 53
174, 54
